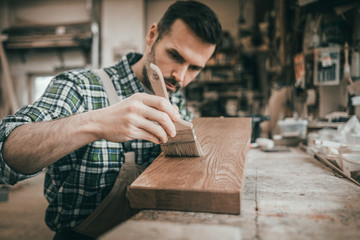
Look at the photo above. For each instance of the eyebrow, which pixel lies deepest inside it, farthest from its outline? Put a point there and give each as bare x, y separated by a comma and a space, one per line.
182, 59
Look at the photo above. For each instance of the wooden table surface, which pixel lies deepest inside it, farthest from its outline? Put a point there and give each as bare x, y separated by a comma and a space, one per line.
287, 195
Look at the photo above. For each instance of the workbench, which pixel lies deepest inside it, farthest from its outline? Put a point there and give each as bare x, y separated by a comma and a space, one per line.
287, 195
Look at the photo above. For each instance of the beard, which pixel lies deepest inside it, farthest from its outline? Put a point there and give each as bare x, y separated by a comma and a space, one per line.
169, 81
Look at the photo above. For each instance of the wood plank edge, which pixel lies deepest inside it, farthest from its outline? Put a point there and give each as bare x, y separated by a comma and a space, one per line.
185, 201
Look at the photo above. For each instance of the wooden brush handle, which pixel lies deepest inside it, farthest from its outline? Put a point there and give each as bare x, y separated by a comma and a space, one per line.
157, 81
182, 125
158, 85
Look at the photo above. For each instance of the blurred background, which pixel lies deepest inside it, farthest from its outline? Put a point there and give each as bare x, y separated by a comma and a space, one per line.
293, 66
278, 59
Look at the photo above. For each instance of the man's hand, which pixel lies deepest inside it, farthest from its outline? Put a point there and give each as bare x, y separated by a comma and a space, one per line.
141, 116
31, 147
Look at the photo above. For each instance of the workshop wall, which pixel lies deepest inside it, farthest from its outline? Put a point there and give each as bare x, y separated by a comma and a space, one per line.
117, 36
47, 11
122, 29
25, 63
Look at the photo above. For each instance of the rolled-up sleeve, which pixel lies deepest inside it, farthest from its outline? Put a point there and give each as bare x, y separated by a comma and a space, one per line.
8, 175
62, 98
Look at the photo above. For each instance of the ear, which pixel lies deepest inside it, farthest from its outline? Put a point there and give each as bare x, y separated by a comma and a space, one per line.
152, 34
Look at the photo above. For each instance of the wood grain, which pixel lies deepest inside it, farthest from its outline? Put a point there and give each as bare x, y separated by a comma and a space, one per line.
211, 183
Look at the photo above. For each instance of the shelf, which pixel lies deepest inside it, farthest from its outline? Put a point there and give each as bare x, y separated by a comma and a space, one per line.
324, 5
59, 42
49, 36
210, 82
219, 66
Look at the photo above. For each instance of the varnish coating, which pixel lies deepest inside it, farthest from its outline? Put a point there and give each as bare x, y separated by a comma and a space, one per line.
212, 183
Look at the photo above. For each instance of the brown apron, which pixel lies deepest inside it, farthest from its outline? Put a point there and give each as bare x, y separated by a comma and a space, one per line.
115, 208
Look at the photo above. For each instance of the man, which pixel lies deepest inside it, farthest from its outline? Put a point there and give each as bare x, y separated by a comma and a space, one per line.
84, 143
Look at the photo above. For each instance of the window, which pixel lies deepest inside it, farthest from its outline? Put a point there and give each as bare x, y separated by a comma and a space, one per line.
40, 84
37, 85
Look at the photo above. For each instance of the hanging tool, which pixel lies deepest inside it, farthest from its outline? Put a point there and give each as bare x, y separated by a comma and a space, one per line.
10, 91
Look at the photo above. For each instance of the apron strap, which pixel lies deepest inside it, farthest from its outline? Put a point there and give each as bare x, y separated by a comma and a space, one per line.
113, 98
108, 86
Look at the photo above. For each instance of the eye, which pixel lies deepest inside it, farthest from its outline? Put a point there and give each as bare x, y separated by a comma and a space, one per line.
176, 56
195, 68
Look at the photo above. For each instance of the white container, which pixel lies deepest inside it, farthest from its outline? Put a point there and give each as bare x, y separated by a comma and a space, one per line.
351, 163
293, 128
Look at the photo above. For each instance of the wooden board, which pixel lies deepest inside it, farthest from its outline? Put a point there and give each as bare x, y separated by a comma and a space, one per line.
212, 183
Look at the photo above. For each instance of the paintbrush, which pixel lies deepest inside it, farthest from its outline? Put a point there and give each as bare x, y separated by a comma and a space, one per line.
185, 142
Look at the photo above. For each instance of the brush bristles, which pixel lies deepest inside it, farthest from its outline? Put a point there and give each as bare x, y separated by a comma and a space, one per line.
183, 144
184, 149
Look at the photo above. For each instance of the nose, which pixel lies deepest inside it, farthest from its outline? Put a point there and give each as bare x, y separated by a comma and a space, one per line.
179, 73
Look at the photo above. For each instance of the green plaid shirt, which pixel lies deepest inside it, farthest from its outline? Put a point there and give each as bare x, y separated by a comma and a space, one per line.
77, 183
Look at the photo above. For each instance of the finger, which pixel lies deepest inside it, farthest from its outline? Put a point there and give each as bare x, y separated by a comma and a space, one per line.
176, 108
152, 128
146, 135
160, 117
163, 105
141, 128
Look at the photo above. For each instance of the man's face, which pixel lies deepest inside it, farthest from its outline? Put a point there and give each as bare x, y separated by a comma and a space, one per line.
180, 55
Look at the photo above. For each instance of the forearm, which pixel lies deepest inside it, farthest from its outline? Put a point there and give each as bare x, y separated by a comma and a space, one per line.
32, 147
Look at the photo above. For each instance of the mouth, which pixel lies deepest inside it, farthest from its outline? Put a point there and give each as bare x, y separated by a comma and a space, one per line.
172, 85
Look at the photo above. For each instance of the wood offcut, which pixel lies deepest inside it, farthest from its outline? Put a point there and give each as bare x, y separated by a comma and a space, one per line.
211, 183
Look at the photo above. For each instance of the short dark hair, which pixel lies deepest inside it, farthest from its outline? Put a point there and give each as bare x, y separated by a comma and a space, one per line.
199, 17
